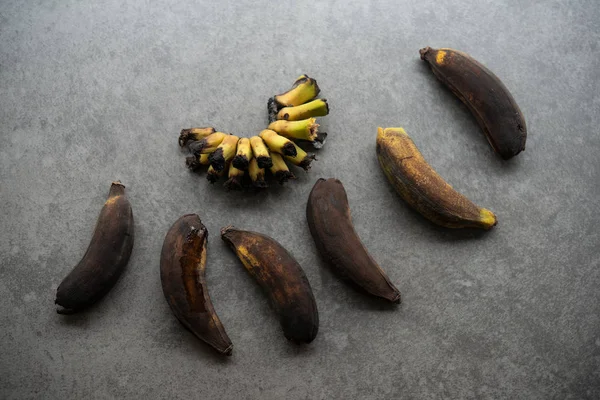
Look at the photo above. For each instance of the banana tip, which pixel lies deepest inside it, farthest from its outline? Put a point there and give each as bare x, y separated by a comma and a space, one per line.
487, 218
226, 229
423, 52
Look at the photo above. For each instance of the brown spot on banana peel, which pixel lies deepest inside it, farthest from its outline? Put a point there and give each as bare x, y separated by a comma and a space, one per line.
282, 280
423, 188
105, 258
330, 223
182, 273
485, 95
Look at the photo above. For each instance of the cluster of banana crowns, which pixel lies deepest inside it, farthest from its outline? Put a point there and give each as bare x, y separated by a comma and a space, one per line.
291, 122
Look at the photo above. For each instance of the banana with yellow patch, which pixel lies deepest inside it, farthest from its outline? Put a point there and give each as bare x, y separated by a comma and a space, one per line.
278, 144
260, 152
224, 153
315, 108
422, 188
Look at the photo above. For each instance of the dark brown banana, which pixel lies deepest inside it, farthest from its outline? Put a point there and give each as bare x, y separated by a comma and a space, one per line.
485, 96
105, 258
330, 224
281, 278
182, 273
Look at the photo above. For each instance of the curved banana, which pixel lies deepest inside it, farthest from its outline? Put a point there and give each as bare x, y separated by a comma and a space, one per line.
303, 90
485, 96
330, 223
182, 269
422, 188
105, 258
281, 278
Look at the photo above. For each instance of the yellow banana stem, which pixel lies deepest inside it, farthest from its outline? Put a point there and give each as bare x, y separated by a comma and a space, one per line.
194, 134
224, 152
280, 170
278, 144
259, 149
303, 90
315, 108
302, 159
257, 174
243, 155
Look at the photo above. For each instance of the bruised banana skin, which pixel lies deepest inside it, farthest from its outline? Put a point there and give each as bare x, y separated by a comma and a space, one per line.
485, 96
422, 188
330, 223
281, 278
182, 273
105, 258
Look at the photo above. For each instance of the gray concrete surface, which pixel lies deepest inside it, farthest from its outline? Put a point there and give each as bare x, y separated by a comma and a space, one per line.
97, 91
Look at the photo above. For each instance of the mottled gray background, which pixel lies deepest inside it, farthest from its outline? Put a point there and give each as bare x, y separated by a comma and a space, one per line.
96, 91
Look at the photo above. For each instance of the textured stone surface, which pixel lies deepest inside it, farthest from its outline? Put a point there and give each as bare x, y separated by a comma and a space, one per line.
97, 91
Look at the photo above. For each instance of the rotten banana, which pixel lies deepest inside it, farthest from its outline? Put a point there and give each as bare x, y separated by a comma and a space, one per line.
281, 278
485, 96
422, 188
105, 258
330, 224
182, 273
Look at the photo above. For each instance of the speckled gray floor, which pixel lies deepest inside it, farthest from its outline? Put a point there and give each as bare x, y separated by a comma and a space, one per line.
91, 92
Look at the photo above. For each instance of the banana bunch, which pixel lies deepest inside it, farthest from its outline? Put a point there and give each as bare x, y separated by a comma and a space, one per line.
292, 119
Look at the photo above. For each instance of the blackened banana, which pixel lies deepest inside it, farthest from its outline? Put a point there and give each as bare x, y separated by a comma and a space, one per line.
281, 278
330, 223
485, 96
182, 273
105, 258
